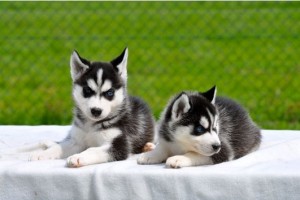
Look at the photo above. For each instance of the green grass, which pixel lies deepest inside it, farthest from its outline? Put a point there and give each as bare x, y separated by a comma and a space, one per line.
249, 50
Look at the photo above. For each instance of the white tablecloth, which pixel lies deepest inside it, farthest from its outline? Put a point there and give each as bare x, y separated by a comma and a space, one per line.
272, 172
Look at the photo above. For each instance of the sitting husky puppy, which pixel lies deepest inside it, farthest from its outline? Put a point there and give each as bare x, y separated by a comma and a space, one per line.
108, 124
202, 129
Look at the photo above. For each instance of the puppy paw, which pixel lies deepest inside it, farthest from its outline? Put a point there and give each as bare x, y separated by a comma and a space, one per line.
149, 146
178, 162
145, 159
76, 161
42, 156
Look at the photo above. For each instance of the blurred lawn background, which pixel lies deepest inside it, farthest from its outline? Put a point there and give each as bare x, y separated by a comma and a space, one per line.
250, 50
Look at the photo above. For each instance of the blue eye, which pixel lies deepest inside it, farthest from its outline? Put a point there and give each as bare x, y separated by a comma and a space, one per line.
109, 93
199, 129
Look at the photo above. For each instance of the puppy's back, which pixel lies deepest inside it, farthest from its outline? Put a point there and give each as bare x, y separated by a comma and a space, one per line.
237, 127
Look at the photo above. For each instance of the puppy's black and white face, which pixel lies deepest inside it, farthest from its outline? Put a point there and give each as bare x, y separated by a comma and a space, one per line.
194, 122
99, 87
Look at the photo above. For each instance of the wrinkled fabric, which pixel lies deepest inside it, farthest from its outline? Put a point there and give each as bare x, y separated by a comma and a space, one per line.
271, 172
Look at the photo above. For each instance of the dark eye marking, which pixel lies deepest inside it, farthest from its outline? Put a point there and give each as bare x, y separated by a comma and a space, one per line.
87, 92
109, 94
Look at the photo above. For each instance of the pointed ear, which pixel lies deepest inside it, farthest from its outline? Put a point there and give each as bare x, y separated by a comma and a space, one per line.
180, 106
210, 95
78, 65
120, 63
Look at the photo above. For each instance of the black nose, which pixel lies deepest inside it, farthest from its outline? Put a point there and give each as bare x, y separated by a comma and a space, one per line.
216, 147
96, 112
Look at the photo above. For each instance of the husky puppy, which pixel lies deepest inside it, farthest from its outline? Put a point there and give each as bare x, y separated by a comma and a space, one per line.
108, 124
202, 129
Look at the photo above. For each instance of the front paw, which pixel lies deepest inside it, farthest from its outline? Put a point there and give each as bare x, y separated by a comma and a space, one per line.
178, 162
76, 161
147, 158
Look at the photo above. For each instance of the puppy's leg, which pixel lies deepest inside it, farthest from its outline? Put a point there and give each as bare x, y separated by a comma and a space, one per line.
158, 155
187, 160
90, 156
114, 150
72, 144
23, 152
57, 150
29, 147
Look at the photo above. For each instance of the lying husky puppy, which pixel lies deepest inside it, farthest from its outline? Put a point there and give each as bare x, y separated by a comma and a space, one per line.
202, 129
108, 124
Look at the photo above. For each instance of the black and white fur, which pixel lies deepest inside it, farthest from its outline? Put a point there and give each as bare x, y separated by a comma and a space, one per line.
108, 124
202, 129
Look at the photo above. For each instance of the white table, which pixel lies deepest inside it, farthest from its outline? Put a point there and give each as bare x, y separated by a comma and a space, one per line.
272, 172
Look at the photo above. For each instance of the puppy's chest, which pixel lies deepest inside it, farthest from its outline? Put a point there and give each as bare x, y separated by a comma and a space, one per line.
93, 138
